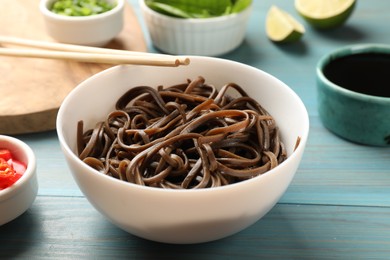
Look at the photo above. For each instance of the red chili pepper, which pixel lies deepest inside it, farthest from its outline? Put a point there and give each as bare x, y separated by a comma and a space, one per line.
5, 154
10, 169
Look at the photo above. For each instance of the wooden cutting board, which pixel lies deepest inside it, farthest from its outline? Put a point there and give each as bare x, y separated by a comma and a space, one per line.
31, 90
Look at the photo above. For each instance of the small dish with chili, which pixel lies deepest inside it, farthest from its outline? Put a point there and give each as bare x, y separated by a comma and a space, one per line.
18, 178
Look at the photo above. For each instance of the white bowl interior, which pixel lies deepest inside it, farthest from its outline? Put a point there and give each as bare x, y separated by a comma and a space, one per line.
182, 216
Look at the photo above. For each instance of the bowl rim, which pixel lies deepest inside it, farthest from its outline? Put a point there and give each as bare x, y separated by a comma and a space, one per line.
43, 6
346, 51
215, 19
296, 152
30, 172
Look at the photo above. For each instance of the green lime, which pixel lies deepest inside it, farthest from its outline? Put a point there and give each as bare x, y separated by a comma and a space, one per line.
282, 27
325, 14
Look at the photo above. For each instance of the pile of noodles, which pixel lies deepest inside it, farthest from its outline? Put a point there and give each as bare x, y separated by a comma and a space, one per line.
184, 136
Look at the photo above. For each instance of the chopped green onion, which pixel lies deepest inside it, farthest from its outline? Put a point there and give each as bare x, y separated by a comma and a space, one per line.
81, 7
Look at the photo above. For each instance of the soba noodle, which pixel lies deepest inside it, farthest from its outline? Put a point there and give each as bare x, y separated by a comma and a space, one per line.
185, 136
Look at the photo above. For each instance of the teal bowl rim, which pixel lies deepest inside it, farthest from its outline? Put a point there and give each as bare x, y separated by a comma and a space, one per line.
350, 50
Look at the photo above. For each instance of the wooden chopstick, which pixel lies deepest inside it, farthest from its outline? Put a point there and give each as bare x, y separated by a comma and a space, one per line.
93, 57
87, 53
69, 47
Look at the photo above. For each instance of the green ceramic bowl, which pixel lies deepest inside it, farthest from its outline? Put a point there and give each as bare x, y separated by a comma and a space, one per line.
353, 86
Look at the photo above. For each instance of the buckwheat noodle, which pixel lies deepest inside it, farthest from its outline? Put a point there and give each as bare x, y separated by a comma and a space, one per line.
183, 136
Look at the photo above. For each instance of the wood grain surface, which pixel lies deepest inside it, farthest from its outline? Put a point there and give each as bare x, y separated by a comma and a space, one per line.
287, 232
33, 89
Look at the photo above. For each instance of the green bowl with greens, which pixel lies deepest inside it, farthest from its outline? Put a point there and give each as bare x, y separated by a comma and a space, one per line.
196, 27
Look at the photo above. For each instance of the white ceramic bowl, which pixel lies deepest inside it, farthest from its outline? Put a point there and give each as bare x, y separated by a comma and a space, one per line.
182, 216
16, 199
94, 30
208, 37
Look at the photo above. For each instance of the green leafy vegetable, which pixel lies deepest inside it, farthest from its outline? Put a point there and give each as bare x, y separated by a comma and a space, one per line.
197, 8
240, 5
81, 7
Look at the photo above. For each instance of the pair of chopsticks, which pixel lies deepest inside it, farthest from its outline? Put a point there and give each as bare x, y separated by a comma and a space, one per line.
86, 53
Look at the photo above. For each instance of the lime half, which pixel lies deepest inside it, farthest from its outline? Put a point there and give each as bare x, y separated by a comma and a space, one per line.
325, 14
282, 27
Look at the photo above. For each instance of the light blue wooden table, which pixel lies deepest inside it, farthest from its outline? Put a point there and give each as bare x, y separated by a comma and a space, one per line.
337, 207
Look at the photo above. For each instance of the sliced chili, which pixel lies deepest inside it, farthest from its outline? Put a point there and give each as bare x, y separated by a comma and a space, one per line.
10, 169
5, 154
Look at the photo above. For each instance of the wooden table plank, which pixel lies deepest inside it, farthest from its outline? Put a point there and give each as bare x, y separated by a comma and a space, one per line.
67, 227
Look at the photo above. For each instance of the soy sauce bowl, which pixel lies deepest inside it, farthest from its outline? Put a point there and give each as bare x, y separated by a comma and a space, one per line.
17, 198
354, 94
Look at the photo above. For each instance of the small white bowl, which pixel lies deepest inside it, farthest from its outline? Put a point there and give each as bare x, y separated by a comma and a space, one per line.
94, 30
182, 216
16, 199
204, 36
